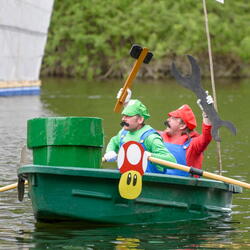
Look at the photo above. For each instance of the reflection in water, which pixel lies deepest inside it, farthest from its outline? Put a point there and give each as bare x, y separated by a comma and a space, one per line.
207, 234
126, 243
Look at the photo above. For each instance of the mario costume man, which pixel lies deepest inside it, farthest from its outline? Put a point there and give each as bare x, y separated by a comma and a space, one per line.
134, 128
180, 138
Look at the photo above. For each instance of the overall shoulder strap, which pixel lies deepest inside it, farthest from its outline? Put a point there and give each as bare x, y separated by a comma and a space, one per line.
123, 134
187, 143
146, 134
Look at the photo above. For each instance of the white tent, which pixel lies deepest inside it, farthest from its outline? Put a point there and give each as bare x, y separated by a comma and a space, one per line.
23, 33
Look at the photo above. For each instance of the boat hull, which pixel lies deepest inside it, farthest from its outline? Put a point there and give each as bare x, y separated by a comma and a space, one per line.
70, 193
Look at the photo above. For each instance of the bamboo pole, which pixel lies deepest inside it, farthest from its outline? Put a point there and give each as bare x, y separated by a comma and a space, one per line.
200, 172
218, 144
11, 186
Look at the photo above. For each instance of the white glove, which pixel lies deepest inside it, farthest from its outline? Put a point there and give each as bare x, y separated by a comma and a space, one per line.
148, 154
209, 100
110, 156
128, 97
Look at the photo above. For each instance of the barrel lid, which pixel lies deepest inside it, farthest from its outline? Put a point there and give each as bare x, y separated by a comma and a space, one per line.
48, 131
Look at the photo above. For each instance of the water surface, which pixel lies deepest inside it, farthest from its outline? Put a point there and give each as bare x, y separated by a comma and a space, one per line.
67, 97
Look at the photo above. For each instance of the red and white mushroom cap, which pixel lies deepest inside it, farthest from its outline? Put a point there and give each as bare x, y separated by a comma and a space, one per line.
131, 156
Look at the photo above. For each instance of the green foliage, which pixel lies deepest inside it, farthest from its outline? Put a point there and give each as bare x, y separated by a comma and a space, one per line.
91, 38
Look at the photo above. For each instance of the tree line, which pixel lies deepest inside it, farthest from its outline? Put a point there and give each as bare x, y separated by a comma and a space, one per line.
92, 38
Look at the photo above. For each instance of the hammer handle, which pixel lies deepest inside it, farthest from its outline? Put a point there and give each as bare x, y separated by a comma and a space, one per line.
128, 83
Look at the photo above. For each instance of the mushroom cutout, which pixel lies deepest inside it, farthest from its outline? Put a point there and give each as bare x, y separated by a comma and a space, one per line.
132, 163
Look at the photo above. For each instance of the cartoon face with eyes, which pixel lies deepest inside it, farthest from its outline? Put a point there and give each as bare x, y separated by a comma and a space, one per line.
132, 163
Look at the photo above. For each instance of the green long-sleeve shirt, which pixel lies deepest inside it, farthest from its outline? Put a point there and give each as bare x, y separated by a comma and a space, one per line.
153, 144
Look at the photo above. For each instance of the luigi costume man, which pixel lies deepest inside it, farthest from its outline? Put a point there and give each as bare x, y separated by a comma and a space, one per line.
134, 128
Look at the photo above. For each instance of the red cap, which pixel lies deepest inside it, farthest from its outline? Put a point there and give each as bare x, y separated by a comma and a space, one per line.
186, 114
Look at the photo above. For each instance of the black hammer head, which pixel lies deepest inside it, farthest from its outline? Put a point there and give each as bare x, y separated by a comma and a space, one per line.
136, 50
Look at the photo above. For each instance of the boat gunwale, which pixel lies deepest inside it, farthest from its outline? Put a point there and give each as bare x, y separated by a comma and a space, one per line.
115, 174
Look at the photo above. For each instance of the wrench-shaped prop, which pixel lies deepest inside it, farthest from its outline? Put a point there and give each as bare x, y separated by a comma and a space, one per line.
193, 82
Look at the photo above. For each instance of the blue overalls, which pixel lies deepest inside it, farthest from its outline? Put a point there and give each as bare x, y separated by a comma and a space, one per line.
151, 168
179, 152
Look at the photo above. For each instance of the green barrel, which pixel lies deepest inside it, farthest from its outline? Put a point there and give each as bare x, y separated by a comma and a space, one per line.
66, 141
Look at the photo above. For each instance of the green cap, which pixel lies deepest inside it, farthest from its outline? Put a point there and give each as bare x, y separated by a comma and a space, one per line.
135, 107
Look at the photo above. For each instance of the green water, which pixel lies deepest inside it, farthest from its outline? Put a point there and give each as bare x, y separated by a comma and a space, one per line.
67, 97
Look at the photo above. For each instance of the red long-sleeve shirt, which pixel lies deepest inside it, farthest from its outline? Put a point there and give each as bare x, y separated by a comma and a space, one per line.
199, 142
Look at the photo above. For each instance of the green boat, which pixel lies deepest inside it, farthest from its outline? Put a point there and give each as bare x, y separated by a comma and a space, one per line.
65, 181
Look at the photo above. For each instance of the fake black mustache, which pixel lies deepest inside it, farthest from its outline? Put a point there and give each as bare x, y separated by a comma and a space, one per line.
166, 123
124, 124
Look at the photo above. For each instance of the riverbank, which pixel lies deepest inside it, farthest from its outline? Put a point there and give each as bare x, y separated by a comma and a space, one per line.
224, 67
93, 41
